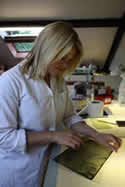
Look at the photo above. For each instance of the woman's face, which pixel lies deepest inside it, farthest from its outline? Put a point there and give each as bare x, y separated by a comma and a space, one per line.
58, 67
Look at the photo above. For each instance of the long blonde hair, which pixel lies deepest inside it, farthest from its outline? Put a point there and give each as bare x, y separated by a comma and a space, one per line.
55, 41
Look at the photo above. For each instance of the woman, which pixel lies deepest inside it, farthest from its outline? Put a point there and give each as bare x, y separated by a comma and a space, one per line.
35, 103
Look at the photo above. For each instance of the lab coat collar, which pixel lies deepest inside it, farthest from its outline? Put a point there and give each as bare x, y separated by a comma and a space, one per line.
56, 85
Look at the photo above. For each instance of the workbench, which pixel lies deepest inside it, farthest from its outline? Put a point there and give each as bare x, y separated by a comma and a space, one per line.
112, 172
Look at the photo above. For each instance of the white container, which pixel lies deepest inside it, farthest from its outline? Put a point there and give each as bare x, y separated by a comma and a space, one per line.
94, 109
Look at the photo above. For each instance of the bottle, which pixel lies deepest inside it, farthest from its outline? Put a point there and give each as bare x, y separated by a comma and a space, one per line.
92, 87
92, 94
121, 95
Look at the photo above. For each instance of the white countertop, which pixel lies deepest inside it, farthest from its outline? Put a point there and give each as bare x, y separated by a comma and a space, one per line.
111, 174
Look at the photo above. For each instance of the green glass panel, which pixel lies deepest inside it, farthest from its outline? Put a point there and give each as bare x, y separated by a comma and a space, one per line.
87, 160
23, 46
20, 32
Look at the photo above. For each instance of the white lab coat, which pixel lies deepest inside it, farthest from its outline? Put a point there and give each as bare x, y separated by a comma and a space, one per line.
27, 104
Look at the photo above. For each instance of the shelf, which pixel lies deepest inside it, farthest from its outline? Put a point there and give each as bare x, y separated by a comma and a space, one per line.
80, 73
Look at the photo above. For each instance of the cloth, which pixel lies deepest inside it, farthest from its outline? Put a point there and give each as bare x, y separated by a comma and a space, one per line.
27, 104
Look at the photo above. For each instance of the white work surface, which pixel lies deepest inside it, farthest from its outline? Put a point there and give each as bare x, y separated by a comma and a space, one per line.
111, 174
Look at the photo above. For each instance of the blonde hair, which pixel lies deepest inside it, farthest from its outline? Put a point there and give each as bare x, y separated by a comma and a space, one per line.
54, 42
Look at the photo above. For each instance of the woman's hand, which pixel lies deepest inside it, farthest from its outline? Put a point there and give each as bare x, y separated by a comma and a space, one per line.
68, 138
109, 141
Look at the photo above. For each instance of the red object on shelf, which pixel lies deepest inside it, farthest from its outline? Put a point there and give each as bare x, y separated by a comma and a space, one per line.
107, 99
108, 90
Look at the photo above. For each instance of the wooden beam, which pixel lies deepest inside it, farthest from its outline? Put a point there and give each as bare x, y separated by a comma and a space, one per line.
115, 45
19, 39
80, 23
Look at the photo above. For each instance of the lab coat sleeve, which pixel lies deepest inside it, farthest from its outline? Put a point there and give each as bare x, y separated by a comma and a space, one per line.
70, 116
11, 137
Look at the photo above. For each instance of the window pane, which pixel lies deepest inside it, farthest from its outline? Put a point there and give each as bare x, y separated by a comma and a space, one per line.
23, 46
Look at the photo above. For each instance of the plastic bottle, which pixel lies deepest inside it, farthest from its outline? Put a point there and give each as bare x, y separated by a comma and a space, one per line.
121, 95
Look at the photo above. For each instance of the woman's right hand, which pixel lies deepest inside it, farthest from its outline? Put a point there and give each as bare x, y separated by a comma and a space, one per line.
69, 138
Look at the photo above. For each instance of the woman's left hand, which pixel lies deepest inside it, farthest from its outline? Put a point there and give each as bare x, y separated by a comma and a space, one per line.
109, 141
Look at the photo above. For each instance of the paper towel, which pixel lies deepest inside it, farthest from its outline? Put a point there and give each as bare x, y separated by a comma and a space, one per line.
95, 108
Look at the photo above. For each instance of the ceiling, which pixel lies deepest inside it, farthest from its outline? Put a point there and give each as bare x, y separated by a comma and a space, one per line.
61, 9
101, 40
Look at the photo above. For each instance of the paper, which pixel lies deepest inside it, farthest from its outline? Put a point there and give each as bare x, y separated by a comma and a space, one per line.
112, 119
99, 124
